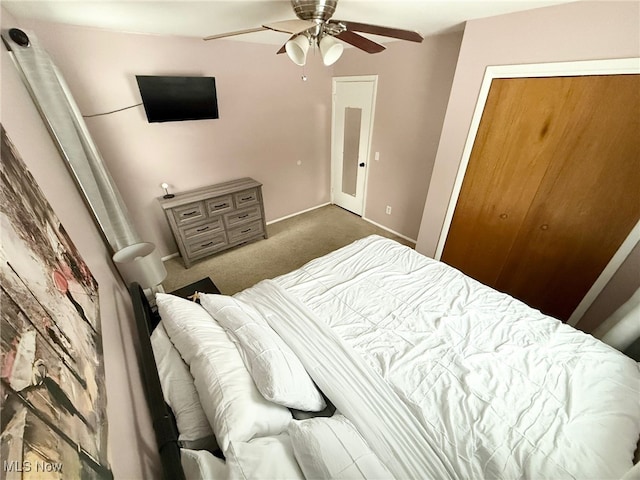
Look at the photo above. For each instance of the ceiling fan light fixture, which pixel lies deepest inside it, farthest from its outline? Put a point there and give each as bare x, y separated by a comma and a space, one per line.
330, 49
297, 49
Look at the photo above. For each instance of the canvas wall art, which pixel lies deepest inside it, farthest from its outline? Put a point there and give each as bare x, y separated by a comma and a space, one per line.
53, 415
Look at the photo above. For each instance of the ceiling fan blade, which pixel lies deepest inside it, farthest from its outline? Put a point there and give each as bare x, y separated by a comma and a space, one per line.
284, 45
361, 42
237, 32
399, 33
286, 26
291, 26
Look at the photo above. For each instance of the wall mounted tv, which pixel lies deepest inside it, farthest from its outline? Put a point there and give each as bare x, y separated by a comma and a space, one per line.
173, 99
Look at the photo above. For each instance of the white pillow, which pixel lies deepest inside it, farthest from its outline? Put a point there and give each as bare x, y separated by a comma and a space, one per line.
230, 400
263, 458
180, 392
331, 447
201, 465
277, 371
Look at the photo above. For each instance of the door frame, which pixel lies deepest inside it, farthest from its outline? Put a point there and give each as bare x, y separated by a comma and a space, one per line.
358, 78
616, 66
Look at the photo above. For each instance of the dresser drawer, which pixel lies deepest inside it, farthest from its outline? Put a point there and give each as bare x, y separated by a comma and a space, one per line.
206, 245
212, 226
189, 213
219, 205
207, 220
238, 234
242, 216
246, 197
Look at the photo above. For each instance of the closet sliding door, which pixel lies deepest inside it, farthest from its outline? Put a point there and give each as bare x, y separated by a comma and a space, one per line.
552, 188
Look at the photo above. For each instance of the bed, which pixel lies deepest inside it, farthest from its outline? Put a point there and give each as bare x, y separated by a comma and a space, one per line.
377, 362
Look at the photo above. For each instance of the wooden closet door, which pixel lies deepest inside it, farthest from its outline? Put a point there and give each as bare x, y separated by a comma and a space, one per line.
497, 191
552, 188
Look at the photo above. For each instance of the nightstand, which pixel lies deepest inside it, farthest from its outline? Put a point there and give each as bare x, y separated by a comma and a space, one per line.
205, 285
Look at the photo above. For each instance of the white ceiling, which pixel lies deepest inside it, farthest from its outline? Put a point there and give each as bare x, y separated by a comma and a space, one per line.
207, 17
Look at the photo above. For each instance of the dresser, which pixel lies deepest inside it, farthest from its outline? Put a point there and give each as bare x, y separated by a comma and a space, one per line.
208, 220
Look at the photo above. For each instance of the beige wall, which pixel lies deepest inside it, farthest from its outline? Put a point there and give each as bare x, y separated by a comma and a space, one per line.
269, 119
576, 31
131, 439
413, 88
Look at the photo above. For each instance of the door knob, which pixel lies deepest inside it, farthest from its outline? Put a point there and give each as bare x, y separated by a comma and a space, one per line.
362, 164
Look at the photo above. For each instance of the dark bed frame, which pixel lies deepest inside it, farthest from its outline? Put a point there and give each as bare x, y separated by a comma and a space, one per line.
164, 423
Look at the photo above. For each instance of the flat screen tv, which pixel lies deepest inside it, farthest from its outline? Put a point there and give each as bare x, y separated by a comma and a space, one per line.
173, 99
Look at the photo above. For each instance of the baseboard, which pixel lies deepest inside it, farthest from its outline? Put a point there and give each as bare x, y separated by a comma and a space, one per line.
177, 254
389, 230
168, 257
298, 213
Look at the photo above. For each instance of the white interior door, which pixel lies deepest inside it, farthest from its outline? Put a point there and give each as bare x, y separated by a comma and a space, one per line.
352, 126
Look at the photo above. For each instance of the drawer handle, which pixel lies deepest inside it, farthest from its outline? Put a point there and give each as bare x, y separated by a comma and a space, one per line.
188, 214
222, 205
246, 231
244, 199
207, 244
204, 229
243, 216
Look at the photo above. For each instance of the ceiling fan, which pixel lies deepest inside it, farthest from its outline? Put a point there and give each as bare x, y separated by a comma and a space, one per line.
314, 25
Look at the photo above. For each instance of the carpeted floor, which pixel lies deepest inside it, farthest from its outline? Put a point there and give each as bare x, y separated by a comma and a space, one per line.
291, 244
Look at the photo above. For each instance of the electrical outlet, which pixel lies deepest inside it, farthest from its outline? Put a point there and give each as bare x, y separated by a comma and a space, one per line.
388, 210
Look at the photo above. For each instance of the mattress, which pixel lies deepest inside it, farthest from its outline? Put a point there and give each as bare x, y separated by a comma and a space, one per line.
486, 386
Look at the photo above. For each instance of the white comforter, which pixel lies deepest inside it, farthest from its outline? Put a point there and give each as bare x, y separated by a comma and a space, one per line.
447, 378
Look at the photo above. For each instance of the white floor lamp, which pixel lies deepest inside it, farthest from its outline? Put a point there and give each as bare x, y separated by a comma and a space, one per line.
141, 263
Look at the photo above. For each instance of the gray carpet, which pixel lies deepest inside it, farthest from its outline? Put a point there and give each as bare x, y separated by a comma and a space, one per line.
291, 243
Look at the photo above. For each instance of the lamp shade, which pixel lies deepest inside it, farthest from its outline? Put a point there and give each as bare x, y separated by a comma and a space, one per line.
330, 49
297, 49
140, 263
